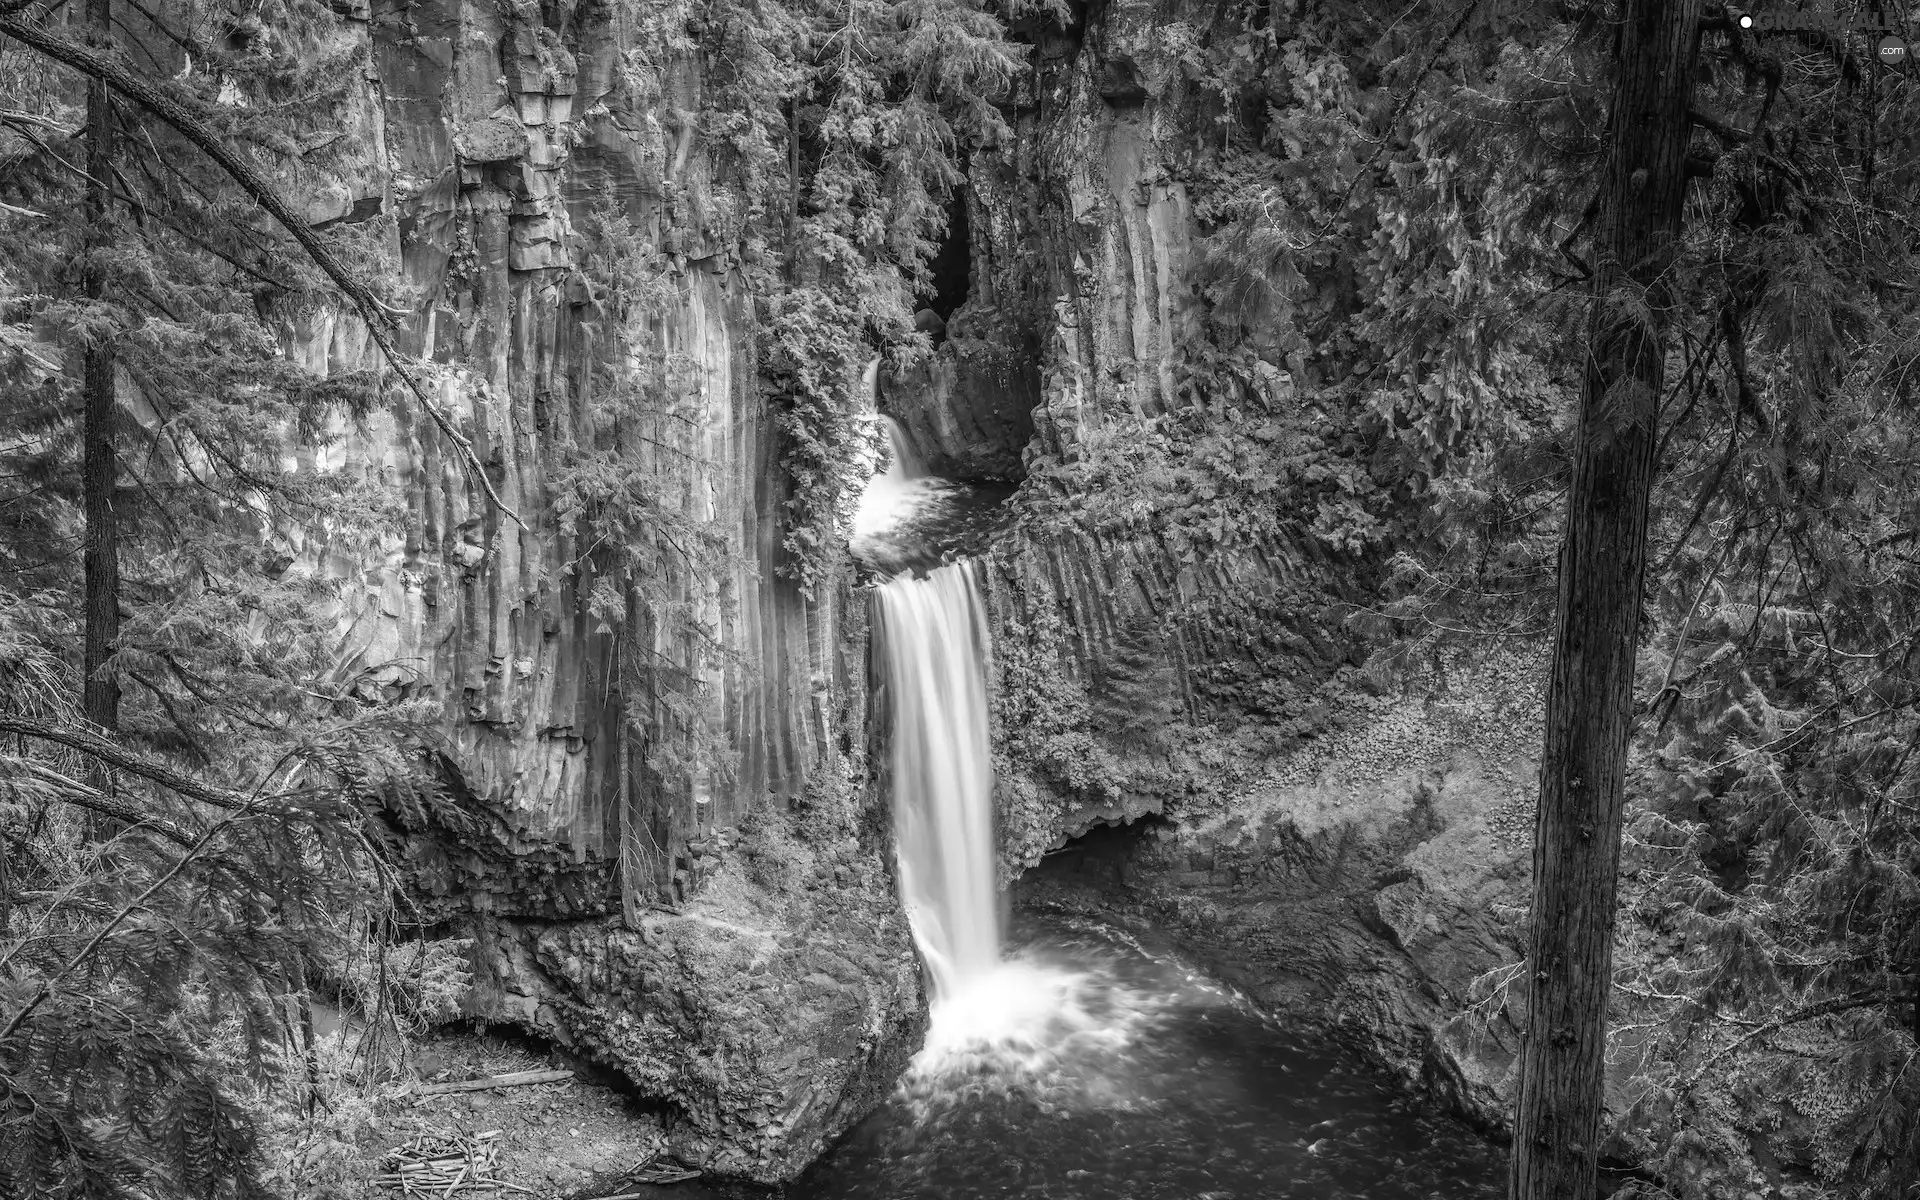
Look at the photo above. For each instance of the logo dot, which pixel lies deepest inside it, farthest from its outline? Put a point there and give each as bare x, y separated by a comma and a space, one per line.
1893, 51
1746, 21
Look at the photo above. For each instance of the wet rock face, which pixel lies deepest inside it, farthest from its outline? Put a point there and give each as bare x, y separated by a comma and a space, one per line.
726, 937
968, 411
1372, 885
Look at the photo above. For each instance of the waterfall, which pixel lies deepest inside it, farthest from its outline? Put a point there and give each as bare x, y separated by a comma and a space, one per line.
895, 493
933, 633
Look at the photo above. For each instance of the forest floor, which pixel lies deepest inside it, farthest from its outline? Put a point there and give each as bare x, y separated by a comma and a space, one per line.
571, 1140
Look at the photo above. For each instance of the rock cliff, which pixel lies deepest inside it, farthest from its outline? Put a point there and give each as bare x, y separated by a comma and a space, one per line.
1191, 735
722, 930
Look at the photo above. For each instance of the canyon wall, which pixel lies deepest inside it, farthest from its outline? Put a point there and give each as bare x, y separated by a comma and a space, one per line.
721, 929
1192, 736
1200, 730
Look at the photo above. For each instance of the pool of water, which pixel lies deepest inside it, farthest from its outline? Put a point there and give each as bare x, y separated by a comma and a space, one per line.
925, 521
1088, 1068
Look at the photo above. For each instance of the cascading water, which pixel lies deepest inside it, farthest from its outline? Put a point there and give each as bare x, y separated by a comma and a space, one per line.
1080, 1065
933, 633
935, 639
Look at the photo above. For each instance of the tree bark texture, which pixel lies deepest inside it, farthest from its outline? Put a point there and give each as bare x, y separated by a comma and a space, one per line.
100, 689
1603, 555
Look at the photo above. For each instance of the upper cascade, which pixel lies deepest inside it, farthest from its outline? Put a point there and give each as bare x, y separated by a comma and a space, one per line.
910, 520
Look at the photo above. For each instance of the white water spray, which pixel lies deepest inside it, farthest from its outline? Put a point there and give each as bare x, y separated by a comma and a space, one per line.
901, 491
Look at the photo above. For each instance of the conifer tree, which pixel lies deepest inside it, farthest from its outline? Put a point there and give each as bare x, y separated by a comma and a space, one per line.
101, 688
1556, 1142
164, 916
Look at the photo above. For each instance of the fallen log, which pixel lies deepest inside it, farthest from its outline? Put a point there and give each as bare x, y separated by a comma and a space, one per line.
489, 1082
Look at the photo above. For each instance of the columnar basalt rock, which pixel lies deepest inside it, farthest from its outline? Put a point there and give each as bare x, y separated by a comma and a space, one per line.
1086, 249
1374, 884
727, 938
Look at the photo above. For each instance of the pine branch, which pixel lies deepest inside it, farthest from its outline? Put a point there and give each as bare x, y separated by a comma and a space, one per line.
132, 906
1719, 126
1707, 493
1399, 110
1669, 690
379, 316
117, 756
1824, 1008
1737, 359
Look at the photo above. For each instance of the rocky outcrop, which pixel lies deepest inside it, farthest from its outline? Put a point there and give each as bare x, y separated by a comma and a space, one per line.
1371, 882
718, 924
968, 411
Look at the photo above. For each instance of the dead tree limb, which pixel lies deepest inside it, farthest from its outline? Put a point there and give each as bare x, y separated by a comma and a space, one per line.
78, 794
126, 760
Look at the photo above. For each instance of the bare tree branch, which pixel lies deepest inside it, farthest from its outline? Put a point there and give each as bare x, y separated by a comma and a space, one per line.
78, 794
118, 756
1823, 1008
132, 906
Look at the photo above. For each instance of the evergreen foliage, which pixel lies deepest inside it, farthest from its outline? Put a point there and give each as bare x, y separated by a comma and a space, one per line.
862, 116
653, 562
150, 980
1394, 205
1771, 842
157, 956
1397, 206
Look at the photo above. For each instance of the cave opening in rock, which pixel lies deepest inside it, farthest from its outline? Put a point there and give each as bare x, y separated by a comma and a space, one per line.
952, 264
1102, 852
469, 1049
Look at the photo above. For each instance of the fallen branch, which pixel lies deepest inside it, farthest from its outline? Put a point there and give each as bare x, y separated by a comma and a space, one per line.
677, 1177
376, 313
652, 1176
489, 1082
442, 1165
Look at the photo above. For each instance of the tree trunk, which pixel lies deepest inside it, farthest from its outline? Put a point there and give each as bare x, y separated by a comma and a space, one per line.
100, 690
1603, 557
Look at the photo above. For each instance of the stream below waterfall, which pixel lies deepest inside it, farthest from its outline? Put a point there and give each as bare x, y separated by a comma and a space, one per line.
1065, 1060
1085, 1068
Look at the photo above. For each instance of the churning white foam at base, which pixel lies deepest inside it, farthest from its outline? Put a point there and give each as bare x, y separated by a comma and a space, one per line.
897, 492
1062, 1034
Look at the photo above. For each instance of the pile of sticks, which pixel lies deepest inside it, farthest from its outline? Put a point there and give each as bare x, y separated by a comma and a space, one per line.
442, 1164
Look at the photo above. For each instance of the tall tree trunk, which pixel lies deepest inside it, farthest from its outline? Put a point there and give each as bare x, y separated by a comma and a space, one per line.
1603, 557
100, 698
